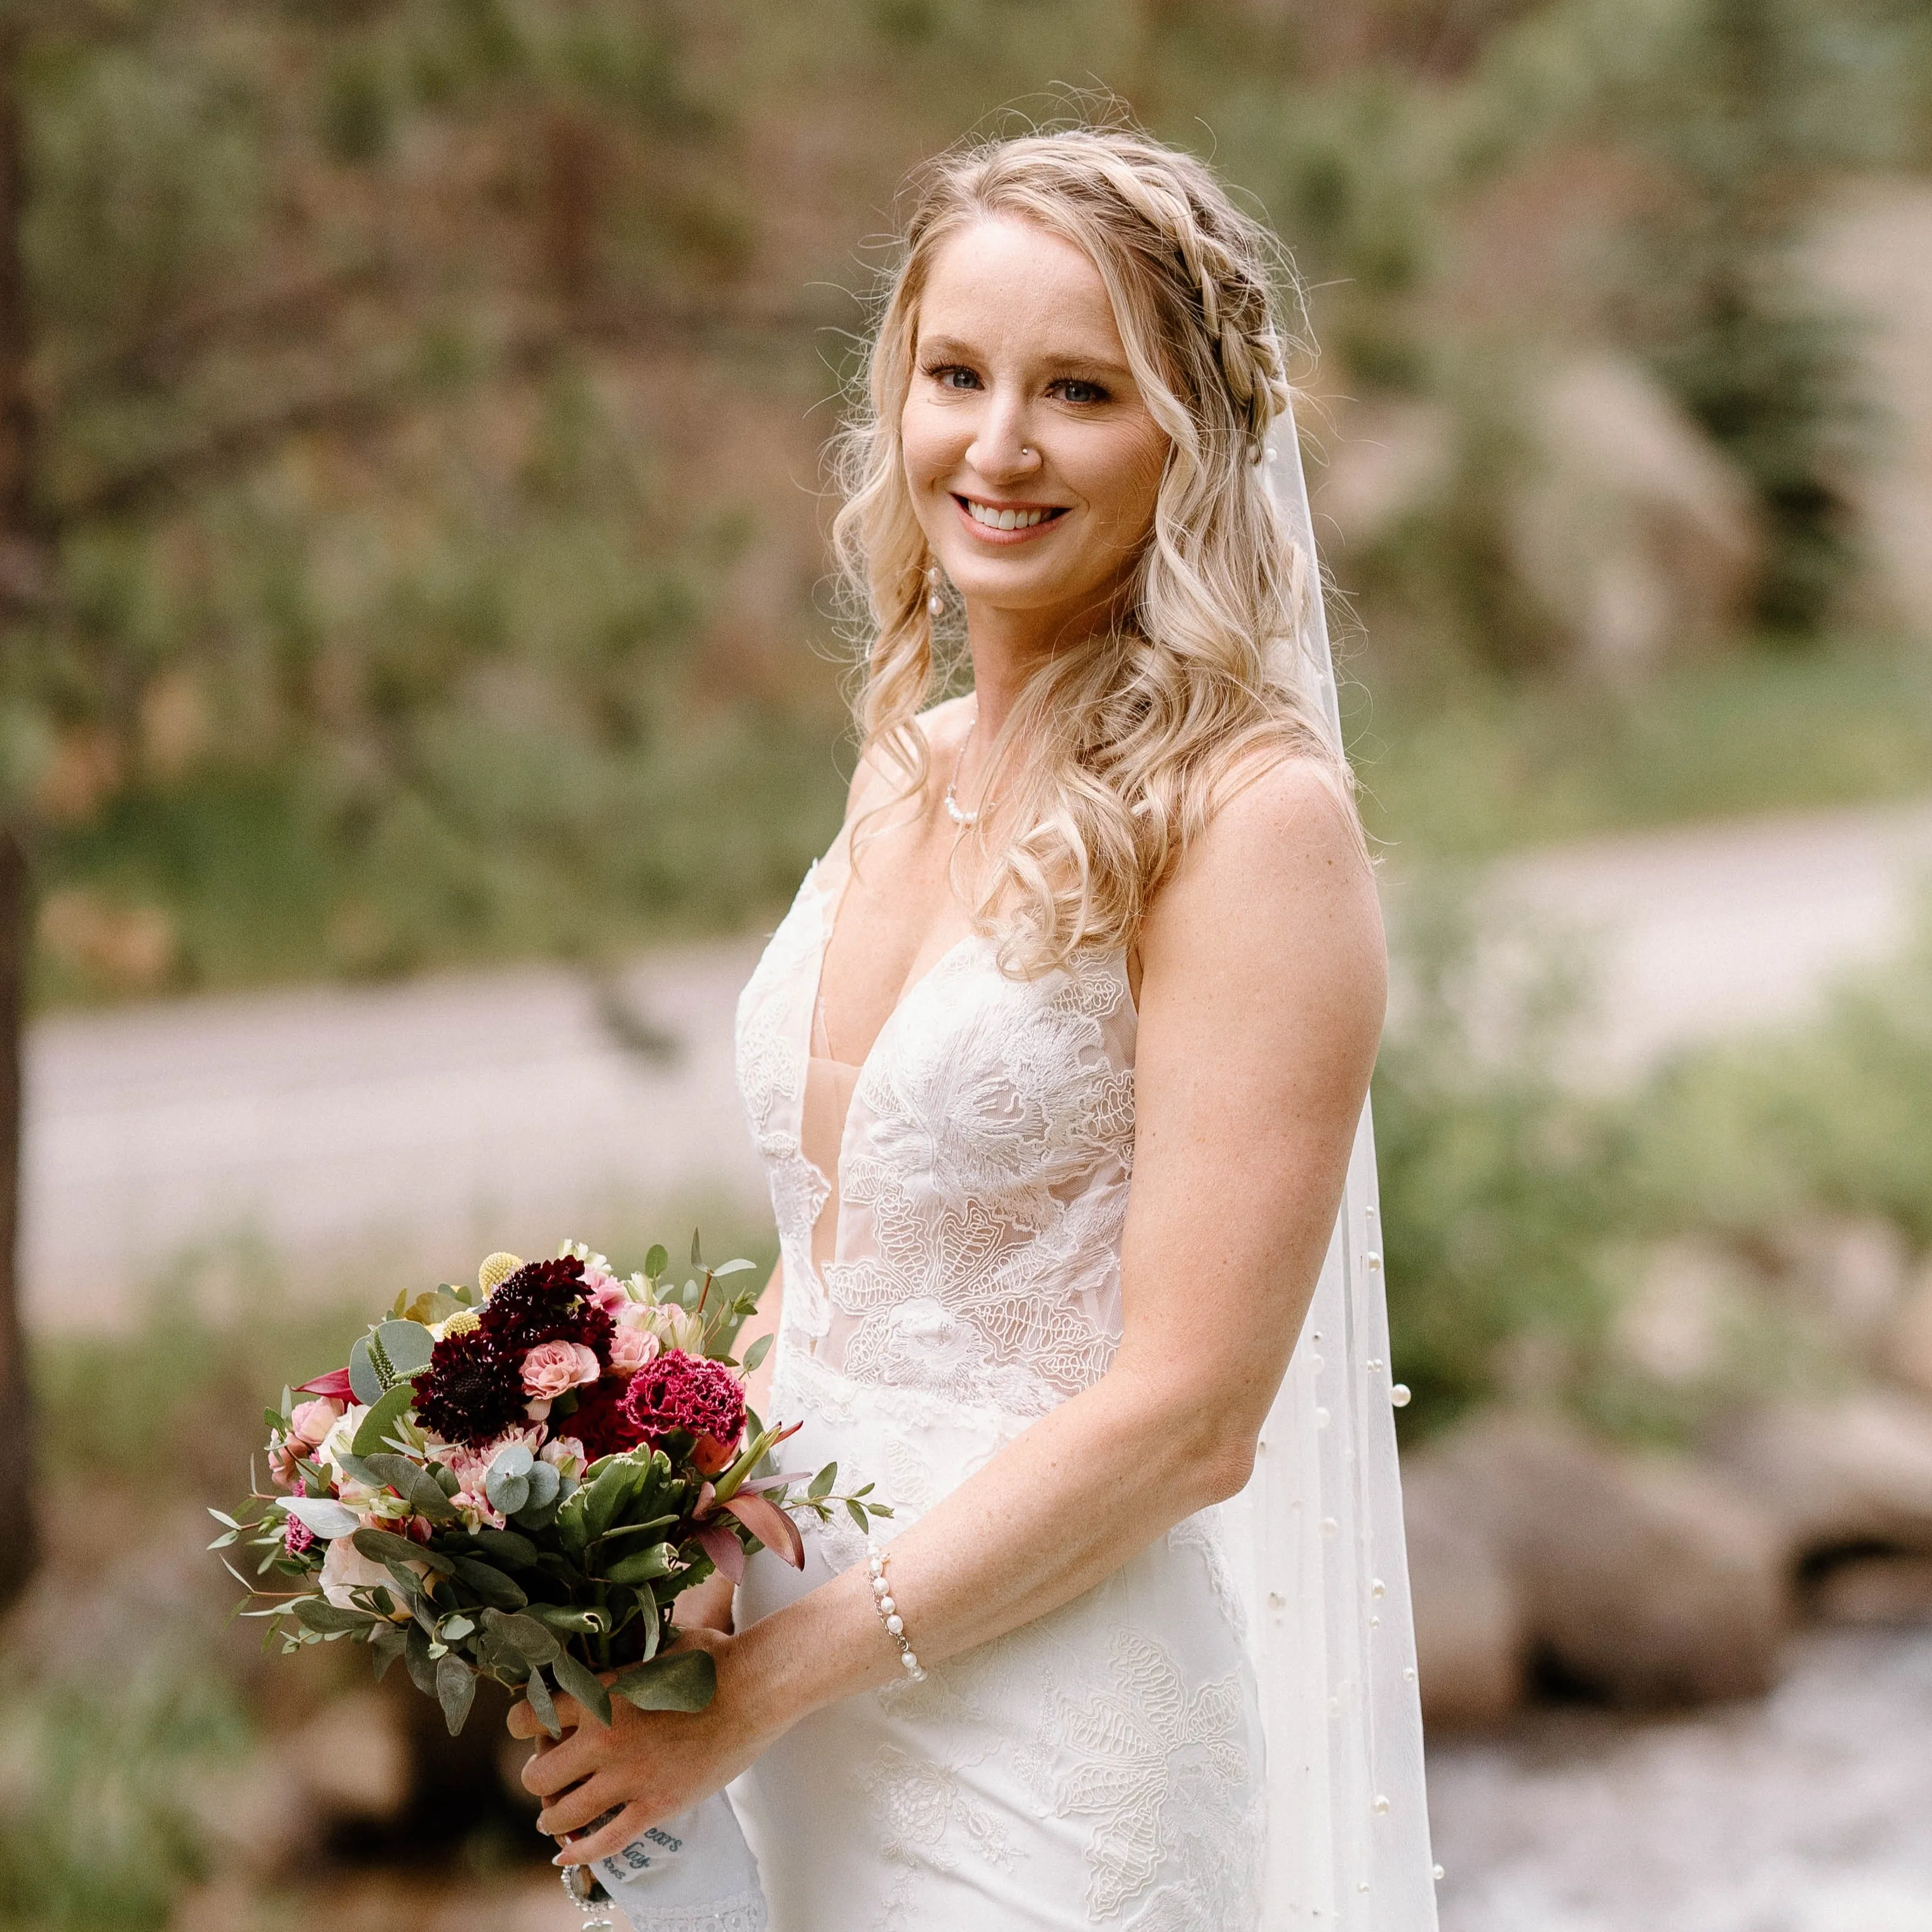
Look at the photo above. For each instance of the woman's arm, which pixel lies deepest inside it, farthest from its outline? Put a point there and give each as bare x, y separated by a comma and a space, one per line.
1261, 1004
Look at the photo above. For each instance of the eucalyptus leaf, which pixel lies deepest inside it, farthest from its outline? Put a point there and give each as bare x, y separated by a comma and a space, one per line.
321, 1517
508, 1493
490, 1583
756, 1352
536, 1643
546, 1485
571, 1676
656, 1262
421, 1665
857, 1512
373, 1431
537, 1692
415, 1485
680, 1680
385, 1545
821, 1484
506, 1546
514, 1460
455, 1689
318, 1614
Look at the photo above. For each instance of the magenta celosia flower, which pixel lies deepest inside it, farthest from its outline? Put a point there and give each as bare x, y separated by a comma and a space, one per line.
680, 1391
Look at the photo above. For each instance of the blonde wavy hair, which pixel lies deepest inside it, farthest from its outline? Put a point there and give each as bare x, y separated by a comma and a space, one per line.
1122, 745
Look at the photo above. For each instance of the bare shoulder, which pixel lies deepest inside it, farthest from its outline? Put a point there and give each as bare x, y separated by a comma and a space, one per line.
1276, 892
1284, 831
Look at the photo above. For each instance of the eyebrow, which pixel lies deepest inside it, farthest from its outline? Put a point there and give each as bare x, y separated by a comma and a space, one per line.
949, 348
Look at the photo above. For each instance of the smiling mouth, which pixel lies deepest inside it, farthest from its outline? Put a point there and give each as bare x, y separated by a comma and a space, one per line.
993, 516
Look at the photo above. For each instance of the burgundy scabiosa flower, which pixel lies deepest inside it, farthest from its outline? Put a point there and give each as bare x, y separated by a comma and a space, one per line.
680, 1391
602, 1422
472, 1390
546, 1301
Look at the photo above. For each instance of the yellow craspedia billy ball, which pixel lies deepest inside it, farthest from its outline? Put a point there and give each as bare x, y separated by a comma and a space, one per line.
496, 1269
464, 1321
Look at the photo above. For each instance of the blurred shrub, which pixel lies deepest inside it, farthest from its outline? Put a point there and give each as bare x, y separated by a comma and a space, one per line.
1835, 1115
1502, 1186
1519, 1208
97, 1832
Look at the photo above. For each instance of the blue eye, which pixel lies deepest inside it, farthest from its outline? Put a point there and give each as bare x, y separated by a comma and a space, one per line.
953, 376
1072, 390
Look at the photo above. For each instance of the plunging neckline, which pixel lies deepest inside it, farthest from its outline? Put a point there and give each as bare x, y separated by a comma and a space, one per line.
828, 917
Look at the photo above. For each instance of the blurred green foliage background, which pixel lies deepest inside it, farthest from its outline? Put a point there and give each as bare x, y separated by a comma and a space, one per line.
429, 396
428, 400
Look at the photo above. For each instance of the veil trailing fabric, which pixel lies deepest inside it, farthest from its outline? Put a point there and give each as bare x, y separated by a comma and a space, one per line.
1316, 1536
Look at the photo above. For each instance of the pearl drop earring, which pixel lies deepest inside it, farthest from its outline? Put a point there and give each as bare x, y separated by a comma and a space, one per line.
935, 604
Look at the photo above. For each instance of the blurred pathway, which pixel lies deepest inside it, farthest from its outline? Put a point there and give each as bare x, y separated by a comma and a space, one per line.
434, 1120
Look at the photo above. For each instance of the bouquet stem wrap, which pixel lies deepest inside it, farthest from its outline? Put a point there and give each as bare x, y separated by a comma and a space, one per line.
692, 1873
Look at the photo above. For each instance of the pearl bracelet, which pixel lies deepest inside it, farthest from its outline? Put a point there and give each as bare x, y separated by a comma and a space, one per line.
888, 1612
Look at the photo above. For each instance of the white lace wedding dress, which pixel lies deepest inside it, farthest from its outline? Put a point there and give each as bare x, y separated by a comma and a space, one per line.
949, 1215
952, 1272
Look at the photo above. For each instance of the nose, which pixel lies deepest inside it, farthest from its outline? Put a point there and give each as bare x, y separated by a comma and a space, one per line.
1001, 450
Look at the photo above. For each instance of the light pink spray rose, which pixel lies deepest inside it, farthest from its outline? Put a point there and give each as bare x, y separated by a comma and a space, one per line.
552, 1369
632, 1344
311, 1421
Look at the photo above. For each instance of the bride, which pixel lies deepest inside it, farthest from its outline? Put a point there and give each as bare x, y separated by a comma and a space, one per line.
1057, 1065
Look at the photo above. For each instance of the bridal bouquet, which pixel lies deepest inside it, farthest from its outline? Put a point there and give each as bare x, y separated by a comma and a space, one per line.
517, 1482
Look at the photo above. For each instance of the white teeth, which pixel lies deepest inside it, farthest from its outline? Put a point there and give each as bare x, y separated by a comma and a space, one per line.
1003, 519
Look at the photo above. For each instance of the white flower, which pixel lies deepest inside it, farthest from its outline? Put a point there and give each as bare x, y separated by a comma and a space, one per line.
345, 1568
336, 1443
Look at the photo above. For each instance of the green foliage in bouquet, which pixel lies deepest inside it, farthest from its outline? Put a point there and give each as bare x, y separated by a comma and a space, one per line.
519, 1482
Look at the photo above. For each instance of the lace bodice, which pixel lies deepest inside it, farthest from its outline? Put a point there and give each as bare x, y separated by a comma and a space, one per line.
949, 1212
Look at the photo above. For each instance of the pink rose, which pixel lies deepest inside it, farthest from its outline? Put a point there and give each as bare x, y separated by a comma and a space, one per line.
551, 1369
311, 1421
630, 1348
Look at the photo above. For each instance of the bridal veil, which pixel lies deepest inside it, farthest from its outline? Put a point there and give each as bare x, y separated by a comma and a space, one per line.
1316, 1536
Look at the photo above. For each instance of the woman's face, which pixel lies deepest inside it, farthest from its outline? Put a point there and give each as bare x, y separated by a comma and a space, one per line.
1033, 458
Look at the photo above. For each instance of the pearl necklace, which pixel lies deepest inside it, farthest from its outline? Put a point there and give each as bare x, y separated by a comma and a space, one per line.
955, 810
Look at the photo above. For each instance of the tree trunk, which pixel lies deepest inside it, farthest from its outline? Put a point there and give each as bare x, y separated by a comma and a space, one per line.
21, 551
17, 1550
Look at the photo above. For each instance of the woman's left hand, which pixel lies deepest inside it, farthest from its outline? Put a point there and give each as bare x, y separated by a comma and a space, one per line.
652, 1764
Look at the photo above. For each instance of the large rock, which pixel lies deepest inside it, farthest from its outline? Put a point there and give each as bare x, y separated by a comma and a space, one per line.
1639, 1580
1905, 1349
1836, 1475
1471, 1647
1631, 527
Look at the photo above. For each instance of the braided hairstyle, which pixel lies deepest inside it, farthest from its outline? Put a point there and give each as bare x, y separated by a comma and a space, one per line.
1119, 748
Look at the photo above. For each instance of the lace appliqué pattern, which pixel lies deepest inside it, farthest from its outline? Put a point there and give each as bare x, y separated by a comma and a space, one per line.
771, 1066
982, 1203
1164, 1773
927, 1819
